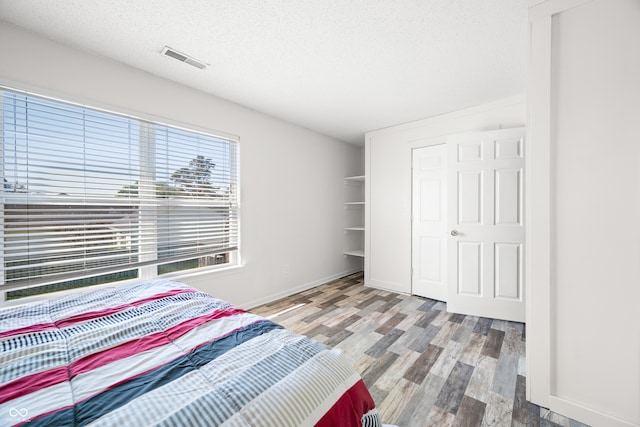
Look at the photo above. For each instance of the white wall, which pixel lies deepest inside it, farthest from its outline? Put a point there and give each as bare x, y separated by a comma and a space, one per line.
291, 178
583, 337
388, 154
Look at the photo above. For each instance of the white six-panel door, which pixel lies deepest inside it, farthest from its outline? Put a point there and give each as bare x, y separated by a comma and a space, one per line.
485, 224
428, 247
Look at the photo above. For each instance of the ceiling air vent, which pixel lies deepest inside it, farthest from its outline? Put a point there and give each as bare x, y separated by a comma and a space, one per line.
167, 51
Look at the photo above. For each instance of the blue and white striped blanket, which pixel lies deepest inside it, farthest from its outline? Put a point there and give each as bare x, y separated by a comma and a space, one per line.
161, 353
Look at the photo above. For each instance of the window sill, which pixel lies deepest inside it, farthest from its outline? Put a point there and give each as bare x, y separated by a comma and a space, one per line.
179, 275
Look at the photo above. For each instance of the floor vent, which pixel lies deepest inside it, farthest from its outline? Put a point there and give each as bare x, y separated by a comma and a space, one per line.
172, 53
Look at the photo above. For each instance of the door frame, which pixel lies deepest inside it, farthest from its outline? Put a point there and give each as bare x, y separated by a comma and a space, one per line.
539, 242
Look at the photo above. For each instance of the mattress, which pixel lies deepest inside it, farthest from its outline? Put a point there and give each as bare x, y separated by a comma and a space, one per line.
161, 353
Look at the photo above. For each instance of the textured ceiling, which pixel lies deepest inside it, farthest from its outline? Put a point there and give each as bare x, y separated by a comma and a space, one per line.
339, 67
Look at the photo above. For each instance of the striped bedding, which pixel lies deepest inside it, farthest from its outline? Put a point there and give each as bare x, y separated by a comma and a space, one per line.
161, 353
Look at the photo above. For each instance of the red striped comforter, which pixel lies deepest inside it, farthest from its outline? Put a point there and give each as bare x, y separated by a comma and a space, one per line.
161, 353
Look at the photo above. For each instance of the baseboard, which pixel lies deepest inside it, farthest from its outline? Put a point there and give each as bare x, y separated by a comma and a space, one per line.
273, 297
586, 415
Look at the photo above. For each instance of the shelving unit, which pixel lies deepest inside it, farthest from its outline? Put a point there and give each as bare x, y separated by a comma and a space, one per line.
354, 239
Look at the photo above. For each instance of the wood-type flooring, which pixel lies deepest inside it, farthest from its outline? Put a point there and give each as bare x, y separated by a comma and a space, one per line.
423, 365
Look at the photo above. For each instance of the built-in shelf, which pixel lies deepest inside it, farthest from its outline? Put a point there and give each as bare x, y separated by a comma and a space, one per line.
354, 238
355, 252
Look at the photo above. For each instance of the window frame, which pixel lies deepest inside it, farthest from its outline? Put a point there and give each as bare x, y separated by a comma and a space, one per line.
145, 272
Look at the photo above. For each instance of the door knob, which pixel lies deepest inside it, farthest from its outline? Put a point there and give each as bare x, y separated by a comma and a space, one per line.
454, 233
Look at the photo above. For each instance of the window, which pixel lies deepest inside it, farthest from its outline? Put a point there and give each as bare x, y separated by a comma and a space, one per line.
91, 197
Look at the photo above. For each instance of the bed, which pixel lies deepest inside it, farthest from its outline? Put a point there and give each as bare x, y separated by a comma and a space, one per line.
161, 353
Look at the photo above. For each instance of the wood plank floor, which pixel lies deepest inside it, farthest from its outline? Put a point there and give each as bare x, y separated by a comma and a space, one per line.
423, 366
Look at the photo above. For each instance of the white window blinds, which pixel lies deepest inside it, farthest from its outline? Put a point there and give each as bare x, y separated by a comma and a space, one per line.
89, 193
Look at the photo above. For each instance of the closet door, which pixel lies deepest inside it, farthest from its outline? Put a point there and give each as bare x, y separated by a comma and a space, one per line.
429, 226
485, 224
